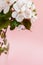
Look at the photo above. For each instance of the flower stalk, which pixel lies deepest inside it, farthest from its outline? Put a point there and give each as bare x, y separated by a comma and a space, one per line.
4, 45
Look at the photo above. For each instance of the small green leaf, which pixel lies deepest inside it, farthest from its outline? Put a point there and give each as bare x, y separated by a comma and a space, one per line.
27, 23
12, 27
14, 24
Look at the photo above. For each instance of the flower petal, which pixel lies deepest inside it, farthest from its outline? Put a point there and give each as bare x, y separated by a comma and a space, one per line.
14, 14
6, 9
20, 17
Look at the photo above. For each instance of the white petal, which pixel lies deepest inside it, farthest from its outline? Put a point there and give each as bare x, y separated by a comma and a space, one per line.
21, 27
20, 3
33, 7
25, 1
6, 10
27, 14
16, 8
20, 17
33, 18
29, 4
23, 8
14, 14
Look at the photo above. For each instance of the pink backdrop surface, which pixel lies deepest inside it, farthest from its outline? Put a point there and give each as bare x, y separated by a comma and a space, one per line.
26, 47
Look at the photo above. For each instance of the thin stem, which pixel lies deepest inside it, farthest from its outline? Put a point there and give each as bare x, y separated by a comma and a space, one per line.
5, 42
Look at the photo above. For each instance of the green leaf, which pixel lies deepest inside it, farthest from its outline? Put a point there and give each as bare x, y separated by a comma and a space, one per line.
6, 16
14, 24
4, 24
12, 27
27, 23
4, 20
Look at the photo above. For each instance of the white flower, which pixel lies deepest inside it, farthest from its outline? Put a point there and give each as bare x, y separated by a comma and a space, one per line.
23, 8
21, 27
16, 8
20, 17
33, 6
33, 18
4, 6
14, 14
25, 1
20, 3
27, 14
29, 4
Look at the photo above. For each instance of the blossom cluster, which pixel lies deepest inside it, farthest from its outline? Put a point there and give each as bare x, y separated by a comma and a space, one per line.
21, 9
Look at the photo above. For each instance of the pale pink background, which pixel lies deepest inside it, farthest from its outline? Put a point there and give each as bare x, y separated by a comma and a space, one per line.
26, 47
